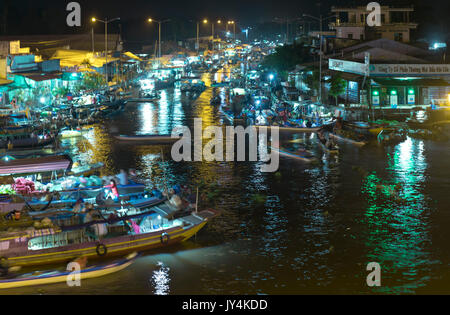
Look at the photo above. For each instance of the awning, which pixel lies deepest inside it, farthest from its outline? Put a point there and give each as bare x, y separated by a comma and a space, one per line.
132, 56
38, 77
18, 82
80, 58
411, 82
33, 165
5, 81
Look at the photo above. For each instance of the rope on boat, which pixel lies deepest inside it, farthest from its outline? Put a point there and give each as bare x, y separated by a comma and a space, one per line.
42, 209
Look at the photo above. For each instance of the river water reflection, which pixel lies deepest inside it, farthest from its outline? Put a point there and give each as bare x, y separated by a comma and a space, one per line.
315, 233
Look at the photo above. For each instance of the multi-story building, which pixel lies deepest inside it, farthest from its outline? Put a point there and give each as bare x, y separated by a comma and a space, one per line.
351, 23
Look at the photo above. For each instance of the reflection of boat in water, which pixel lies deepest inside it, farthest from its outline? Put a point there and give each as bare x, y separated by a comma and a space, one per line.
147, 139
298, 154
54, 276
100, 238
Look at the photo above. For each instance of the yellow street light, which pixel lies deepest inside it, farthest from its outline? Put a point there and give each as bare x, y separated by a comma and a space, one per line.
205, 21
219, 21
93, 19
150, 20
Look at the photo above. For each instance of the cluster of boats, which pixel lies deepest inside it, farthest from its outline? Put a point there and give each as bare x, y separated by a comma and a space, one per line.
52, 212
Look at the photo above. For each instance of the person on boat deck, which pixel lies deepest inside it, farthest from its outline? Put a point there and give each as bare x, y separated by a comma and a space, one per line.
114, 192
79, 205
174, 200
123, 177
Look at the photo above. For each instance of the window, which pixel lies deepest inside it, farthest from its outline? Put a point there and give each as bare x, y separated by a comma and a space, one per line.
350, 36
398, 37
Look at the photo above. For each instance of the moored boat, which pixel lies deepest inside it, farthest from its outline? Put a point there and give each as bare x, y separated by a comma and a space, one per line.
156, 138
292, 129
54, 276
100, 238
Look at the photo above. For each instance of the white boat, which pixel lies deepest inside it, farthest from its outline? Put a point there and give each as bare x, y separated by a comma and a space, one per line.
156, 138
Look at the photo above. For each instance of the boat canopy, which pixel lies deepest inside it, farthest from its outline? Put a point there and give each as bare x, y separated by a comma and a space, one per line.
35, 165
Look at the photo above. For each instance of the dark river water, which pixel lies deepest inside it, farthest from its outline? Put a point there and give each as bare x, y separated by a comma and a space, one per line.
320, 227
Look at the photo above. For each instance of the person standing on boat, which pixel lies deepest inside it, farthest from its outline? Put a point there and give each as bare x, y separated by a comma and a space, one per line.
123, 177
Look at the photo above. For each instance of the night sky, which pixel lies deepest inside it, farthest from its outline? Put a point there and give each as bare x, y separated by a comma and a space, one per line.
49, 16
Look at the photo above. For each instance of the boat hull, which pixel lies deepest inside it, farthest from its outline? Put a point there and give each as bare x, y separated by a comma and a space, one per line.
116, 246
89, 273
148, 139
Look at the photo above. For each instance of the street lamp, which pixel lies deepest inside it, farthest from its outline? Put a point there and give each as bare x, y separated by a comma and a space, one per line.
106, 21
159, 35
234, 28
320, 19
198, 30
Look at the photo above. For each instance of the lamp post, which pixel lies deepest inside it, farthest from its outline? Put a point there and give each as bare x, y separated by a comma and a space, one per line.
234, 29
198, 30
320, 19
159, 36
106, 21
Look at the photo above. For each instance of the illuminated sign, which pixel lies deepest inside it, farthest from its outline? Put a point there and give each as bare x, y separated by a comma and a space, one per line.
347, 66
411, 69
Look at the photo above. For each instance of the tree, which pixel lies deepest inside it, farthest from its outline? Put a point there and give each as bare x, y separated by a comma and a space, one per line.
338, 86
311, 79
286, 58
93, 81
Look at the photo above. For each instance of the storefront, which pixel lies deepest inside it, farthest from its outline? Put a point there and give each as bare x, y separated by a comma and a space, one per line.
392, 85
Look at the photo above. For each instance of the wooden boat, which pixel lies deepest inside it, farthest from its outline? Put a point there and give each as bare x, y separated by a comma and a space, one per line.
153, 139
365, 127
298, 154
24, 141
220, 84
323, 141
56, 245
415, 124
29, 153
391, 136
54, 276
35, 165
143, 99
342, 138
139, 200
292, 129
